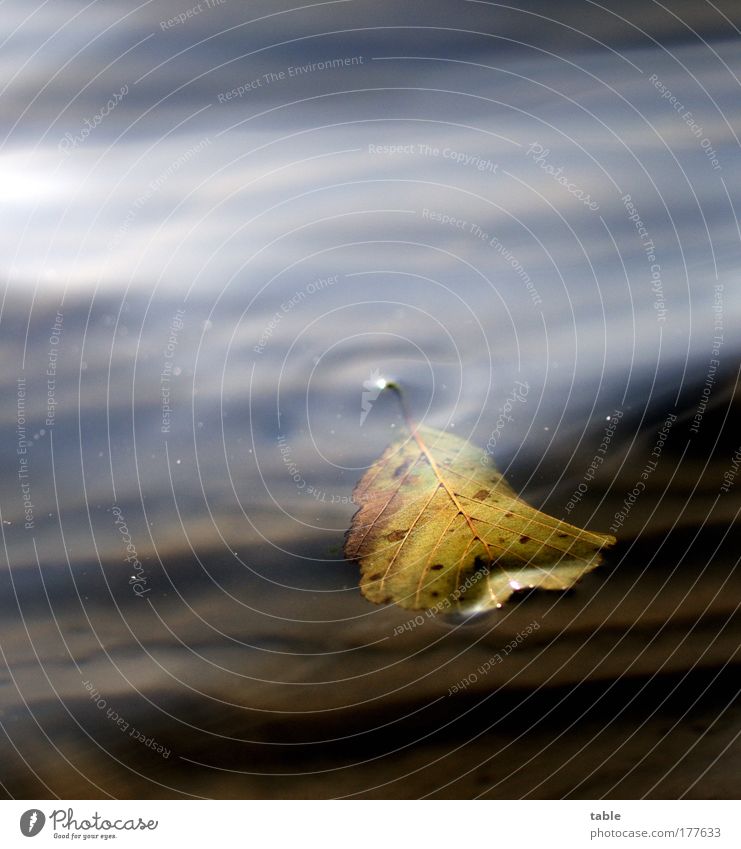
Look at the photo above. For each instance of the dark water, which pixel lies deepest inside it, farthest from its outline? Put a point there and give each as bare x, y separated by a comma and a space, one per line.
201, 283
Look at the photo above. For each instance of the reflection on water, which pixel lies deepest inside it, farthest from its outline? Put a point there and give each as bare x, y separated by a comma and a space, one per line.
201, 293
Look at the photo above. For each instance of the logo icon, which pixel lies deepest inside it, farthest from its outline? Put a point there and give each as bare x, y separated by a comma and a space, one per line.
32, 822
371, 390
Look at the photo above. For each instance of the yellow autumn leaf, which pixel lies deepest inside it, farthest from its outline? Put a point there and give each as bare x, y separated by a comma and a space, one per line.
439, 527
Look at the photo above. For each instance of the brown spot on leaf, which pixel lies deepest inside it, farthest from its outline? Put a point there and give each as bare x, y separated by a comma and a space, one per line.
395, 536
524, 539
399, 470
437, 567
481, 495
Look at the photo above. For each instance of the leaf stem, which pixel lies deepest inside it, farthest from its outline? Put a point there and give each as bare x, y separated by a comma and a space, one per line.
394, 387
410, 423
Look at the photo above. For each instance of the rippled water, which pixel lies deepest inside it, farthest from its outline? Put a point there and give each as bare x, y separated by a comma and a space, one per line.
202, 289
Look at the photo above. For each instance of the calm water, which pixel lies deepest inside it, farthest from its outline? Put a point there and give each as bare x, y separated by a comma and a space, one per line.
217, 235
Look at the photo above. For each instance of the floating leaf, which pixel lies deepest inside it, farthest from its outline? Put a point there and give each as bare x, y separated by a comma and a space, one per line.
439, 527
